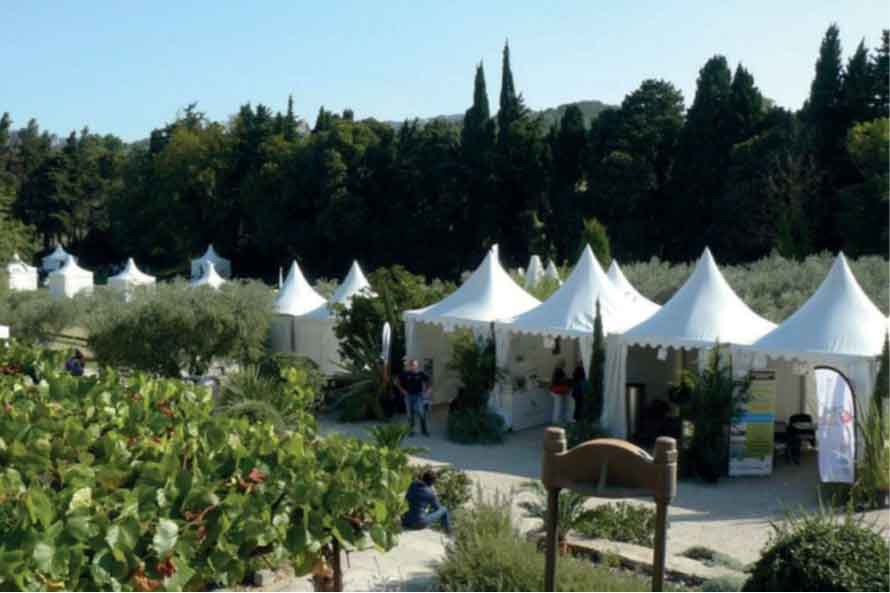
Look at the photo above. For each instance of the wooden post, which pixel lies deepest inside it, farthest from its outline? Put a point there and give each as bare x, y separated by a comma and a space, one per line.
338, 569
608, 468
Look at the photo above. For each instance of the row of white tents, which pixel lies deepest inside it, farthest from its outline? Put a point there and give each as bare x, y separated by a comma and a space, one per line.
648, 345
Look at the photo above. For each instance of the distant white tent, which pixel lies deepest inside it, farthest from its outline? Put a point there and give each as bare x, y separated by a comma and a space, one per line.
703, 311
222, 265
552, 273
489, 294
70, 279
54, 260
534, 272
209, 277
130, 277
526, 348
316, 328
620, 281
838, 328
296, 297
21, 275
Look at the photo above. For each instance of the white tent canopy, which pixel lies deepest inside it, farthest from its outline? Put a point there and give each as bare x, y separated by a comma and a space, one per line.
621, 282
130, 277
551, 273
21, 275
569, 313
222, 265
70, 279
489, 294
296, 297
54, 260
535, 272
703, 311
315, 329
209, 277
838, 327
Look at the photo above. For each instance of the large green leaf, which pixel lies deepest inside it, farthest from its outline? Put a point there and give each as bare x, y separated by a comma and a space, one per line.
165, 537
39, 507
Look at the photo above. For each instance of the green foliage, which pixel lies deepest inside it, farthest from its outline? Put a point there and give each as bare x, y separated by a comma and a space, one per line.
170, 327
717, 400
487, 553
724, 583
713, 558
475, 426
872, 484
594, 234
882, 381
573, 513
35, 316
475, 363
363, 385
821, 552
136, 485
453, 485
620, 522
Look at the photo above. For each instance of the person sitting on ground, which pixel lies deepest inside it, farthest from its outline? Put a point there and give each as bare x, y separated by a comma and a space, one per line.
75, 365
413, 384
424, 508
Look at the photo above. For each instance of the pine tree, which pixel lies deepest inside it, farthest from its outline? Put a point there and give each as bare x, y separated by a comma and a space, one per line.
745, 106
511, 104
856, 90
880, 77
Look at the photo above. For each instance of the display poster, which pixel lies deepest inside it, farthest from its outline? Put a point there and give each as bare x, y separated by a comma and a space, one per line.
751, 439
836, 433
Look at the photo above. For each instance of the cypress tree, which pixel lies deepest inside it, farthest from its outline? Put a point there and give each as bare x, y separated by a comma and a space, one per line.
880, 74
746, 106
290, 121
594, 408
511, 107
882, 381
477, 134
856, 89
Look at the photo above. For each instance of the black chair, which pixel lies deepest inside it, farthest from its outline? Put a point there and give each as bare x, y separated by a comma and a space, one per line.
800, 430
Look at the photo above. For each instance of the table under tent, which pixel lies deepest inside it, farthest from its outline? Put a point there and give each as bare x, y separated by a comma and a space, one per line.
487, 295
54, 260
645, 361
70, 279
296, 298
222, 265
208, 277
558, 331
825, 359
621, 282
129, 278
21, 276
316, 328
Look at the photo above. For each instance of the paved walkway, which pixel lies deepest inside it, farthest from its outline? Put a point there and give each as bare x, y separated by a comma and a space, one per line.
732, 516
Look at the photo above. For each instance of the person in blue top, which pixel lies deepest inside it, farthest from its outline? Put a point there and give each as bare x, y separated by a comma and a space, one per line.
413, 383
76, 364
424, 508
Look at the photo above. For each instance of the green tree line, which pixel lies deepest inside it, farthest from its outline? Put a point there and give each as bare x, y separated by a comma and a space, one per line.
732, 171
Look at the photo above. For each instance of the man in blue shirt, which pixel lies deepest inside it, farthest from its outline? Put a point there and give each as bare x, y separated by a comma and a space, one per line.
423, 505
413, 383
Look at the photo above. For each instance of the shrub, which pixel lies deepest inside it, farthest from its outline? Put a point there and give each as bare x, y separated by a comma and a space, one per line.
476, 426
37, 317
621, 522
171, 327
488, 554
724, 583
594, 234
364, 384
873, 465
453, 485
106, 484
822, 552
572, 511
473, 359
711, 557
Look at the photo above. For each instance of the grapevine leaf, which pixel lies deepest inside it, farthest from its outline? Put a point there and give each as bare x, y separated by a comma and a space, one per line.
165, 537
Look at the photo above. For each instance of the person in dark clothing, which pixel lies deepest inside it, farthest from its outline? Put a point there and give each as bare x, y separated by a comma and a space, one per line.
423, 505
578, 391
75, 365
413, 384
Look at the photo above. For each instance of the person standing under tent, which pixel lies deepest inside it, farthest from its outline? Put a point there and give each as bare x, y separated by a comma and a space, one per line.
578, 379
413, 384
561, 392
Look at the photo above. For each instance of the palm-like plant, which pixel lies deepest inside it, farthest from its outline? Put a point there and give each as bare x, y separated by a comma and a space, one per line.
572, 512
249, 393
364, 383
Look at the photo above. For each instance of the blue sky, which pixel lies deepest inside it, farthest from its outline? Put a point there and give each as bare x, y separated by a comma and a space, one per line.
127, 67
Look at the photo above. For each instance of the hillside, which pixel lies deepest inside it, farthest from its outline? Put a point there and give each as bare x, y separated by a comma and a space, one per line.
548, 116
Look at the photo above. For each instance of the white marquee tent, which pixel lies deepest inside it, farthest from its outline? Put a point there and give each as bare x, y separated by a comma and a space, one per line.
296, 298
838, 327
130, 277
70, 279
535, 272
316, 328
54, 260
551, 273
620, 281
21, 275
489, 294
704, 310
209, 277
524, 343
222, 265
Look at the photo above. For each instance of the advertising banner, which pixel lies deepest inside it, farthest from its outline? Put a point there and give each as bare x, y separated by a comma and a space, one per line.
836, 434
751, 439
